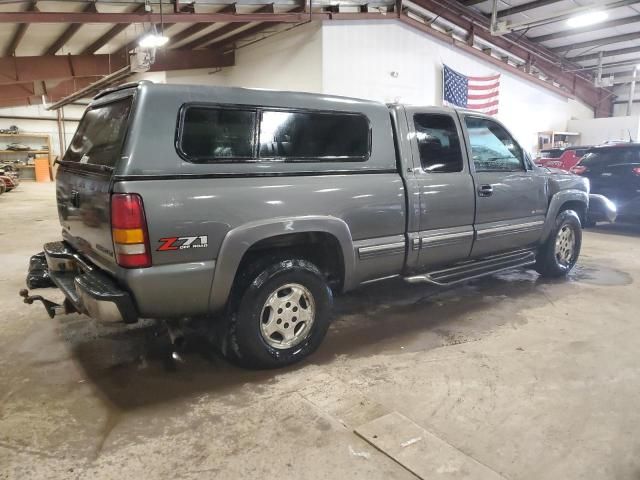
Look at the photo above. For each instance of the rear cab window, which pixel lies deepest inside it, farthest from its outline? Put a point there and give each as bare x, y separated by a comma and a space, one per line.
219, 134
99, 138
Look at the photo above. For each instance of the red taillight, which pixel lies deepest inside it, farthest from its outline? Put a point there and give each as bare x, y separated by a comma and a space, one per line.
578, 169
636, 171
129, 231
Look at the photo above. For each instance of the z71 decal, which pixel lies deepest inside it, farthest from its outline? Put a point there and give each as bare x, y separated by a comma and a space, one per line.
182, 243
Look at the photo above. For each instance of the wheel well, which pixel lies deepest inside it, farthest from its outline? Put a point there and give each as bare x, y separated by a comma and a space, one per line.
320, 248
579, 207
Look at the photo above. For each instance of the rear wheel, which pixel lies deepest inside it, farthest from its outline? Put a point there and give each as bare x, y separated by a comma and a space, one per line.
280, 316
558, 255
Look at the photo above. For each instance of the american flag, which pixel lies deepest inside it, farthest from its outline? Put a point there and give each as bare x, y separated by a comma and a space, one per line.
475, 93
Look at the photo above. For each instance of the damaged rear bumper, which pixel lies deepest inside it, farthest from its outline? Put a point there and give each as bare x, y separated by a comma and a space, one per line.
87, 289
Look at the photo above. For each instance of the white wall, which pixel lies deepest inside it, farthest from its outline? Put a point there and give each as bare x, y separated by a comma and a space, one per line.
358, 58
290, 60
600, 130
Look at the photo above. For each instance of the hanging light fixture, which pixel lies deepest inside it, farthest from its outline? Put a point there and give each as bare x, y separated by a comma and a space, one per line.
586, 19
153, 39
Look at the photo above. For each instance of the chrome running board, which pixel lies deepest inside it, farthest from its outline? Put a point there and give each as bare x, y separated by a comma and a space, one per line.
475, 268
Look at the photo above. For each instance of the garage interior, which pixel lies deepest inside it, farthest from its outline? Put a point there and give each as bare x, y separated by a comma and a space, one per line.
506, 377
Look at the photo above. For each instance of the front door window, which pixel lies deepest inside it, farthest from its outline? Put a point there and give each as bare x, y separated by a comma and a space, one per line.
493, 149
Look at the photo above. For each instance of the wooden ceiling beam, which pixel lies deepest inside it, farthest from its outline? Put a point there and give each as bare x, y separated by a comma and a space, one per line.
144, 17
249, 32
57, 67
198, 27
18, 70
109, 35
224, 30
21, 29
68, 33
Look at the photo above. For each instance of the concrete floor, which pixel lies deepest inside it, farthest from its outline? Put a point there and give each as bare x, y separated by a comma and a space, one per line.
507, 377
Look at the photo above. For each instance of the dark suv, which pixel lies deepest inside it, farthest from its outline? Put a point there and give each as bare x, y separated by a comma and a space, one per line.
614, 171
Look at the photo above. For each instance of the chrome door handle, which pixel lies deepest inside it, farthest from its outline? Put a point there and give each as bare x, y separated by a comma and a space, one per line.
485, 190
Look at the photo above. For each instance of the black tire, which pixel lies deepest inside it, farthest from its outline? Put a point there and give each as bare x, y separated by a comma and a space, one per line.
549, 263
243, 342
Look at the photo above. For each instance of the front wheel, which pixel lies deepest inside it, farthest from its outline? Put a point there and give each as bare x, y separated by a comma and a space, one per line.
558, 255
280, 316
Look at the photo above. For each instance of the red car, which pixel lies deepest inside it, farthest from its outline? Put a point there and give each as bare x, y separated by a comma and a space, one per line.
562, 158
9, 178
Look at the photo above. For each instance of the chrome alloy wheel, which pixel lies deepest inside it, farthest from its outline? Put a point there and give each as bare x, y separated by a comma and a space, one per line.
287, 316
565, 246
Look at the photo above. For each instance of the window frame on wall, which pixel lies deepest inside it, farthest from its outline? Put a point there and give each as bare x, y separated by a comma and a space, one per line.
256, 157
523, 162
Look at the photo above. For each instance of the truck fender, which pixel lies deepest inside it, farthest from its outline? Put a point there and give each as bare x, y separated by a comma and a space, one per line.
556, 203
240, 239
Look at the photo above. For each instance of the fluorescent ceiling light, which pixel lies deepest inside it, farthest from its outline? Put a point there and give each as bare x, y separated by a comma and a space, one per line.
586, 19
153, 40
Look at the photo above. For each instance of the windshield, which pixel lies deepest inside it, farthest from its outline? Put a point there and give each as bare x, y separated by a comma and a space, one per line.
99, 137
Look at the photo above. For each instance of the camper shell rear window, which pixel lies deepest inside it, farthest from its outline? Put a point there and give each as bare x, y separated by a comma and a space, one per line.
99, 138
223, 134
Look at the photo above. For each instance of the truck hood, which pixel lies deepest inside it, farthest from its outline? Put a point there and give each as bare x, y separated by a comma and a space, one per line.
563, 180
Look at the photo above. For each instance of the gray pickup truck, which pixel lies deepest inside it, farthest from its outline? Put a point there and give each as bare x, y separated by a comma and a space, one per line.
252, 208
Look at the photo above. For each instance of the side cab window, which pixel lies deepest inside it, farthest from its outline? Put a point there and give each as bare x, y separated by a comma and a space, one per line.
438, 143
219, 133
493, 149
